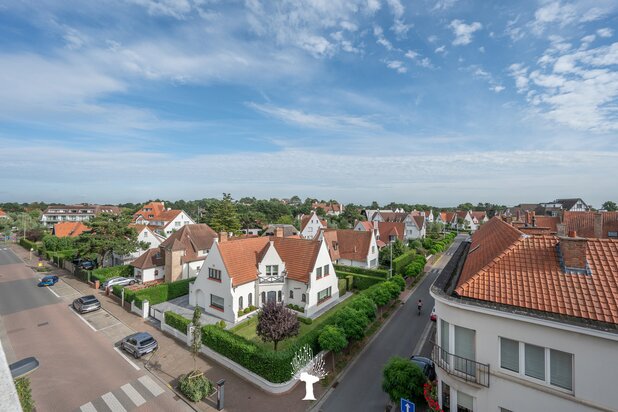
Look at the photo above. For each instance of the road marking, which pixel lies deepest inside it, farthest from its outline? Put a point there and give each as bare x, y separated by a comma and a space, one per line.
52, 291
421, 341
84, 320
133, 394
125, 358
151, 385
110, 326
113, 402
89, 407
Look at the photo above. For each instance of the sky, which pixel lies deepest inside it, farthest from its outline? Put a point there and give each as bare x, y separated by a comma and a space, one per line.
424, 101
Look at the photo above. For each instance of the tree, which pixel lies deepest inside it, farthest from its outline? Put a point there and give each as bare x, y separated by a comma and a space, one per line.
332, 339
276, 323
196, 335
610, 206
402, 379
224, 217
353, 322
465, 206
109, 233
286, 219
385, 253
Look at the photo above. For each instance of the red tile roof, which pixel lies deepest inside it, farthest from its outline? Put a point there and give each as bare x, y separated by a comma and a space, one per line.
241, 257
149, 259
420, 221
387, 229
2, 213
367, 225
305, 219
583, 223
351, 244
478, 215
70, 229
155, 209
510, 268
191, 239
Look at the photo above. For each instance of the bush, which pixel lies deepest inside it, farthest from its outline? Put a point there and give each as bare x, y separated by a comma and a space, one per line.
306, 321
352, 322
221, 324
196, 387
240, 312
362, 282
295, 307
379, 295
361, 271
398, 279
102, 274
392, 288
247, 310
176, 321
25, 394
364, 305
402, 379
402, 261
160, 293
342, 284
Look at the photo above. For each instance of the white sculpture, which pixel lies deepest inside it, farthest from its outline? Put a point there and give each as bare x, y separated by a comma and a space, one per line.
308, 369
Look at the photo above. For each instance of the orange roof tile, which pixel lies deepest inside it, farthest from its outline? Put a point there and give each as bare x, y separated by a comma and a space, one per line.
70, 229
2, 213
351, 244
391, 228
526, 271
150, 210
583, 223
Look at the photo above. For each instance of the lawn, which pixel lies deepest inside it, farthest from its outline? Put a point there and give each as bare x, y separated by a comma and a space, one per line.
247, 329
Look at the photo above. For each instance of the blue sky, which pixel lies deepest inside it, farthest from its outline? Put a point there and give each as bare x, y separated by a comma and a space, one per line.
437, 102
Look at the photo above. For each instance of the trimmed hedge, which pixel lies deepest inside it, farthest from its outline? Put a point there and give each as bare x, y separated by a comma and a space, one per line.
416, 267
176, 321
102, 274
361, 271
160, 293
306, 321
402, 261
27, 244
342, 284
362, 282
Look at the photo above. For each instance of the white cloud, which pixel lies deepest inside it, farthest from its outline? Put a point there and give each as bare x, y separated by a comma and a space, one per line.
497, 88
442, 5
315, 121
396, 65
463, 32
605, 32
432, 39
418, 60
379, 34
441, 49
171, 8
562, 14
399, 26
373, 6
519, 73
482, 49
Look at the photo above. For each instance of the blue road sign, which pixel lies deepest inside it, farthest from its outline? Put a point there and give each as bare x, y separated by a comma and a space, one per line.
407, 406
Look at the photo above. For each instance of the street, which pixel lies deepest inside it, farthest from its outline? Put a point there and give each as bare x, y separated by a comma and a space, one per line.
79, 366
360, 389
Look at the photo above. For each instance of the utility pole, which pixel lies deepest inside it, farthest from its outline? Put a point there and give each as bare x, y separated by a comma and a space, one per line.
390, 271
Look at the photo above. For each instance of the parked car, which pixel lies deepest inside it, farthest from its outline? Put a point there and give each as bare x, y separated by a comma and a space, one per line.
50, 280
120, 281
426, 366
139, 344
87, 265
433, 317
86, 304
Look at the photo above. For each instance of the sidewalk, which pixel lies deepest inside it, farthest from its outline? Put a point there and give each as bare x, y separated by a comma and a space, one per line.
174, 359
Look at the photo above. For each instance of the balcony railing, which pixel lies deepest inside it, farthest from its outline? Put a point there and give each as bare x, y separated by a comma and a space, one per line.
465, 369
271, 279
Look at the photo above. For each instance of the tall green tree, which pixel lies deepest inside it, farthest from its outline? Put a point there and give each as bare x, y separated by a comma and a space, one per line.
610, 206
402, 379
109, 233
332, 339
224, 216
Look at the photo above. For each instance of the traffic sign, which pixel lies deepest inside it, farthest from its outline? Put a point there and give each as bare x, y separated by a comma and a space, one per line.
407, 406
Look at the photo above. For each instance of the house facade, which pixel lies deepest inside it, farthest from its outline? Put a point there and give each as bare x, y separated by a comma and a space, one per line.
331, 209
506, 341
164, 221
310, 225
74, 213
180, 256
3, 214
145, 234
352, 247
240, 273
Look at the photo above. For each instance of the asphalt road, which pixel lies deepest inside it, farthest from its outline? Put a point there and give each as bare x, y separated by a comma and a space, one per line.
80, 370
360, 389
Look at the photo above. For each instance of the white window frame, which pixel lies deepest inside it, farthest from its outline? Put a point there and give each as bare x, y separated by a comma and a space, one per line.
522, 366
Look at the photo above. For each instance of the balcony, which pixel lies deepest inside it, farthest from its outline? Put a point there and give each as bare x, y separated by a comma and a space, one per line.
271, 279
462, 368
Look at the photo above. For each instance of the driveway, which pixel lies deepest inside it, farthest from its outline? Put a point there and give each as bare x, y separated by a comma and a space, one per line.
360, 389
181, 306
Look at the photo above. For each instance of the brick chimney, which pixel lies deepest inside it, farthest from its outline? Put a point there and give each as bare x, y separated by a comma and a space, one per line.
278, 232
222, 237
561, 229
598, 225
573, 250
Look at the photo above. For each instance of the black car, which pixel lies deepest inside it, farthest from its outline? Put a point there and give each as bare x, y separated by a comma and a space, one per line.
87, 265
86, 304
426, 366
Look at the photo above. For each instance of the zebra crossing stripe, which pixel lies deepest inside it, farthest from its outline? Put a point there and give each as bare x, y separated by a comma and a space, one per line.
133, 394
89, 407
113, 402
151, 385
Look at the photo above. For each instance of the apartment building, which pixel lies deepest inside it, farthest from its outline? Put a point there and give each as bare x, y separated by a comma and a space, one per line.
74, 213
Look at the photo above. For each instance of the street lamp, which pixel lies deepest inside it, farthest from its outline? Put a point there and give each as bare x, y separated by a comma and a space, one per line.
31, 250
390, 271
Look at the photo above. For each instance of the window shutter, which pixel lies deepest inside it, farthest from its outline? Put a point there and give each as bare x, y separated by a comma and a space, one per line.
444, 335
561, 367
464, 400
509, 354
464, 348
535, 361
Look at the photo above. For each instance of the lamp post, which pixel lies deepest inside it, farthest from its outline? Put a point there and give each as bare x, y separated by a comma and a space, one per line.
390, 271
31, 250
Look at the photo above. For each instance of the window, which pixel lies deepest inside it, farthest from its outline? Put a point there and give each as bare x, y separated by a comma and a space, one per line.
318, 273
263, 298
504, 409
177, 224
303, 298
309, 229
612, 234
291, 294
279, 296
146, 234
446, 397
214, 274
373, 249
465, 402
535, 361
464, 347
561, 369
324, 294
240, 303
444, 340
216, 302
250, 299
272, 270
326, 270
509, 354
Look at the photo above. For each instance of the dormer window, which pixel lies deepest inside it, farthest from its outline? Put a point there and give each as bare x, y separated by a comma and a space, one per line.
272, 270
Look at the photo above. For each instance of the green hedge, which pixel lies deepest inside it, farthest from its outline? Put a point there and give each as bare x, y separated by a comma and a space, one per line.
416, 266
176, 321
159, 293
102, 274
343, 286
362, 282
402, 261
27, 244
361, 271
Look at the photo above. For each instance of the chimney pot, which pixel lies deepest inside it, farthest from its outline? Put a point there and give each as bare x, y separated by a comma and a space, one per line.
572, 233
598, 225
222, 237
574, 250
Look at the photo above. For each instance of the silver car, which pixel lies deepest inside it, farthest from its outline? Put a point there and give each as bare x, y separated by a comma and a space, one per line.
139, 344
120, 281
86, 304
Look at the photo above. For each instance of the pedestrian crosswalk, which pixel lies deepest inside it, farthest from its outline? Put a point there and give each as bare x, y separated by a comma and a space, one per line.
126, 398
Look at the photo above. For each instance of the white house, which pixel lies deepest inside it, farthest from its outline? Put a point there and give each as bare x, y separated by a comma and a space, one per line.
331, 209
74, 213
165, 221
180, 256
527, 323
415, 226
310, 225
467, 221
429, 217
247, 272
144, 234
352, 247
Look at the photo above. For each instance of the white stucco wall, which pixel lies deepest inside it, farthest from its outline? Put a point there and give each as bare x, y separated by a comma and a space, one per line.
208, 286
595, 360
148, 275
179, 221
312, 227
317, 285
